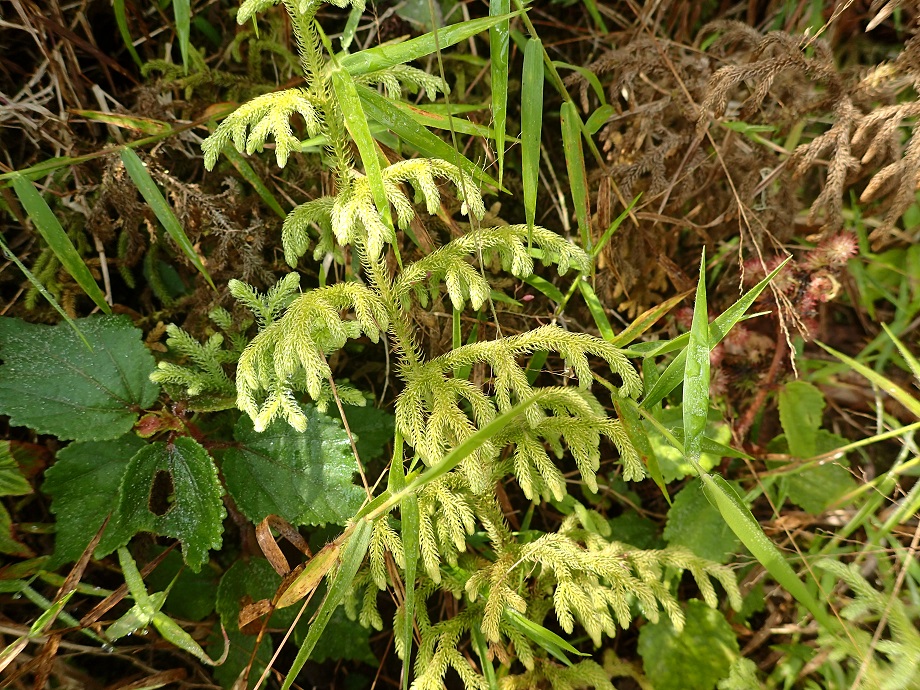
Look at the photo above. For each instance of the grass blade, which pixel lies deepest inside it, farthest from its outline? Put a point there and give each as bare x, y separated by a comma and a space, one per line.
575, 164
44, 293
648, 319
358, 128
672, 376
352, 556
382, 110
696, 373
546, 639
628, 412
912, 362
596, 309
409, 529
498, 44
531, 125
121, 19
182, 10
383, 57
893, 389
614, 226
152, 195
50, 229
247, 173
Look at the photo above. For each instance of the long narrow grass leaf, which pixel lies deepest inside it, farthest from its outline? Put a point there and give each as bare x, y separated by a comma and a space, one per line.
894, 390
737, 516
358, 128
575, 165
386, 56
499, 44
43, 291
182, 10
352, 556
696, 373
628, 413
596, 309
647, 319
912, 363
531, 125
383, 111
722, 324
546, 639
121, 19
51, 231
154, 198
614, 226
247, 173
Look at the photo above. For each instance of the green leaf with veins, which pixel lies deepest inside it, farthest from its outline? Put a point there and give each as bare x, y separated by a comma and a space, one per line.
170, 489
52, 383
12, 481
82, 483
372, 427
816, 486
695, 658
800, 409
671, 461
695, 524
304, 477
254, 580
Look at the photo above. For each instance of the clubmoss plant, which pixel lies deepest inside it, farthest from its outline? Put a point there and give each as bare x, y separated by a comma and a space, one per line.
511, 581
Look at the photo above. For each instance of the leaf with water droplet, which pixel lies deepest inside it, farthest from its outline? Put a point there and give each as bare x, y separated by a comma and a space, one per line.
194, 512
51, 382
304, 477
81, 483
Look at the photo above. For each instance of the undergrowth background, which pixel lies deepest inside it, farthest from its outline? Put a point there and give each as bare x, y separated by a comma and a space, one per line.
758, 132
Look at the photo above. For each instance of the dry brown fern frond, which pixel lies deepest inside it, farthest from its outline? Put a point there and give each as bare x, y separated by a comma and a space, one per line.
837, 143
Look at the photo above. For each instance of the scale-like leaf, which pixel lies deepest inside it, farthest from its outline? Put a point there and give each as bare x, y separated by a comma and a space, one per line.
52, 383
170, 489
81, 483
306, 478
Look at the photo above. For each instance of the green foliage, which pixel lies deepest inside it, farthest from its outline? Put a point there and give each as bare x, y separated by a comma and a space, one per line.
81, 483
816, 486
12, 483
51, 382
693, 658
170, 488
303, 476
695, 524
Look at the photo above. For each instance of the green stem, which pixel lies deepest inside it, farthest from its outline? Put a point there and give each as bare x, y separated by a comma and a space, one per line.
400, 326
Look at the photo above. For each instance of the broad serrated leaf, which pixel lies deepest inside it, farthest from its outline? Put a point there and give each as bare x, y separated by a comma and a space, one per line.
817, 486
695, 658
251, 580
305, 478
800, 408
696, 525
373, 429
52, 383
82, 483
12, 481
170, 489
